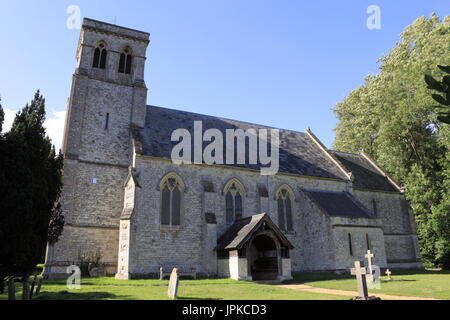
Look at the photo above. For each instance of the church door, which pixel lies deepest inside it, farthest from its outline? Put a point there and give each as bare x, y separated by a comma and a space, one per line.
263, 258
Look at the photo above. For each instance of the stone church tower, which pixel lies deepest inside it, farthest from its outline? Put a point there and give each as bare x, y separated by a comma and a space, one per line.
108, 97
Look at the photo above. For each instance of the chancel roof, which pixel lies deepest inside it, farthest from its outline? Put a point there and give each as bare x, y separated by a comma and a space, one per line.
338, 204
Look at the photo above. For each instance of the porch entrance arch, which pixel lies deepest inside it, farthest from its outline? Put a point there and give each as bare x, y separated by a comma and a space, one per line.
263, 258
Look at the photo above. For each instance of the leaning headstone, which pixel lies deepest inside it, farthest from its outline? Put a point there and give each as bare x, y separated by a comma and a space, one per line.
39, 285
360, 272
173, 284
388, 273
33, 284
11, 289
26, 289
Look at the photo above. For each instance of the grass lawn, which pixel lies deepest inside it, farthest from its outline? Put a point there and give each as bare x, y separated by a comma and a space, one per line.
416, 283
108, 288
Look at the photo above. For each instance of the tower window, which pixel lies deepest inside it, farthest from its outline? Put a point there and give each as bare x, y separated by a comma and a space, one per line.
100, 55
125, 61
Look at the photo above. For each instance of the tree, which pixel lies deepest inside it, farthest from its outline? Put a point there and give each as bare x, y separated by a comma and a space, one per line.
442, 87
30, 185
393, 118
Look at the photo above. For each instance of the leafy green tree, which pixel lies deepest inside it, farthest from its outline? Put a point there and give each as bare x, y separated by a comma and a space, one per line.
30, 185
442, 87
393, 118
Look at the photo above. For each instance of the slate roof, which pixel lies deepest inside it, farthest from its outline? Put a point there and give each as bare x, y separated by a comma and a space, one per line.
366, 175
237, 235
299, 154
338, 204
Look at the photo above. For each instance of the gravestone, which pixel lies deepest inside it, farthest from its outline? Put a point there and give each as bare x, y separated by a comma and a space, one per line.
11, 289
33, 284
26, 289
369, 257
173, 284
374, 282
360, 272
388, 273
39, 285
373, 274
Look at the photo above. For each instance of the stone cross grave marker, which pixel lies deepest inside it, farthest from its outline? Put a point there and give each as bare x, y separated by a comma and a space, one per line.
369, 257
373, 272
388, 273
173, 284
360, 272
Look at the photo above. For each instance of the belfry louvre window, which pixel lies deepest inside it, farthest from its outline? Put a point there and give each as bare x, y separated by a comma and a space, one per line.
284, 201
233, 201
100, 55
171, 197
125, 61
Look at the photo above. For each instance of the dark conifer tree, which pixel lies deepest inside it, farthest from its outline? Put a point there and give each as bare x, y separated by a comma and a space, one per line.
30, 185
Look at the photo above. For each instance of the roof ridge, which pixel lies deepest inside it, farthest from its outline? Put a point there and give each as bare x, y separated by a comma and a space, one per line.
384, 173
227, 119
325, 150
345, 152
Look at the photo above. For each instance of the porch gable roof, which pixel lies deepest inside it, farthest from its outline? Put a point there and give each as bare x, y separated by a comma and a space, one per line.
238, 234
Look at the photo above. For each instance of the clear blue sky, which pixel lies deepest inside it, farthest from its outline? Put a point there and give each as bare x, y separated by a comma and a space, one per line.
278, 63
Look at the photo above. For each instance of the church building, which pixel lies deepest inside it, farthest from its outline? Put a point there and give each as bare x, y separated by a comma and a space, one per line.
125, 198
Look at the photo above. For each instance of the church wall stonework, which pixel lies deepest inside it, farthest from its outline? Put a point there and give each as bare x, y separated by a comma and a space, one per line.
184, 247
399, 227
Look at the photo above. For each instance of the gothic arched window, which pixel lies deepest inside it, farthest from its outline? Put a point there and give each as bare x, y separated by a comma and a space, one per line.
125, 61
234, 193
284, 198
100, 54
172, 189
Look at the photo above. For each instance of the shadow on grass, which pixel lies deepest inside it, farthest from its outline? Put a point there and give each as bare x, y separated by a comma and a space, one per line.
195, 298
65, 295
398, 280
304, 277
